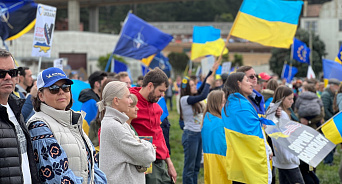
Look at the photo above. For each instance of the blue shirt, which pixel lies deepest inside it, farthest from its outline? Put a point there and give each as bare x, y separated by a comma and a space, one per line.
52, 161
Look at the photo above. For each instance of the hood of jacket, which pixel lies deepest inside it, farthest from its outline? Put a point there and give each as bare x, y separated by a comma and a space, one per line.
339, 98
308, 95
88, 94
267, 93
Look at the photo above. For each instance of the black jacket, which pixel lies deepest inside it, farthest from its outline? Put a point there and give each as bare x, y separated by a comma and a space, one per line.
10, 155
88, 94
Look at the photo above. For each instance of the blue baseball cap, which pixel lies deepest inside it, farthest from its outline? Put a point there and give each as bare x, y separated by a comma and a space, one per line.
49, 76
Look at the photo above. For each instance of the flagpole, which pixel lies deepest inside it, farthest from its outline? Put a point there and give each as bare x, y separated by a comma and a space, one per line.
290, 68
310, 43
39, 64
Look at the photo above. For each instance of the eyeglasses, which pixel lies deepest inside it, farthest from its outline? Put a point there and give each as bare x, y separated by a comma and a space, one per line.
54, 89
253, 76
12, 73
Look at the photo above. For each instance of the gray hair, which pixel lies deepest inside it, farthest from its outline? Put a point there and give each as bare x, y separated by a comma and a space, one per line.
111, 90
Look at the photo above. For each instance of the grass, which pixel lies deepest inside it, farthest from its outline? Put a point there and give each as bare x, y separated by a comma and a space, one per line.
326, 174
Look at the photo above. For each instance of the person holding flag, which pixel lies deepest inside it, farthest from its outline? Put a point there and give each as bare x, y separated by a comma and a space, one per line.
244, 134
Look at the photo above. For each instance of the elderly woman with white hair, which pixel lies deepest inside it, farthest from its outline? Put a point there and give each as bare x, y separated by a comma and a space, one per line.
122, 154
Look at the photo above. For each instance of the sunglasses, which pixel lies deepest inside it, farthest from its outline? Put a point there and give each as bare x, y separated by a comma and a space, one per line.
12, 73
253, 76
54, 89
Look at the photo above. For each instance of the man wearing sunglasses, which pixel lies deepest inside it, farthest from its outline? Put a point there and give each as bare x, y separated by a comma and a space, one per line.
16, 159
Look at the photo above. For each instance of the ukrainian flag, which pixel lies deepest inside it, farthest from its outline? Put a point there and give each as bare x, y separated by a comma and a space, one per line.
332, 129
270, 22
214, 149
17, 17
247, 157
331, 69
207, 41
339, 56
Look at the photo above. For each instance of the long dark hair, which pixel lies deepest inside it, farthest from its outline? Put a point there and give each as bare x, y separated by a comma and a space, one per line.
280, 93
335, 107
231, 85
185, 90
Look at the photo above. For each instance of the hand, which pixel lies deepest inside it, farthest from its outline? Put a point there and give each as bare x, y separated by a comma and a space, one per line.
270, 156
171, 169
34, 90
215, 66
278, 112
154, 146
210, 80
304, 121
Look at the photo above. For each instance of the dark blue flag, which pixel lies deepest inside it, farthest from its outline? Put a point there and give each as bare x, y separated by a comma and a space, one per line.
161, 62
139, 40
17, 17
119, 67
286, 73
301, 52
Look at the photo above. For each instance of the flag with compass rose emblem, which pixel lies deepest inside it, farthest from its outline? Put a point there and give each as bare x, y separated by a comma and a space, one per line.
17, 17
140, 40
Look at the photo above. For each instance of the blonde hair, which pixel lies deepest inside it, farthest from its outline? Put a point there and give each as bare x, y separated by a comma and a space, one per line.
111, 90
134, 99
214, 103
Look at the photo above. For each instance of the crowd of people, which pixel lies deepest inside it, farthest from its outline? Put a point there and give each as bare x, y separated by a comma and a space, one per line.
121, 133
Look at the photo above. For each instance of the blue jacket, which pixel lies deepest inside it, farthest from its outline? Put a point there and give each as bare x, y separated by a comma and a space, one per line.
258, 102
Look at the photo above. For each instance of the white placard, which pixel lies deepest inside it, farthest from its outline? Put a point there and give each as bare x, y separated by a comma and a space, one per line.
207, 63
43, 31
58, 63
226, 67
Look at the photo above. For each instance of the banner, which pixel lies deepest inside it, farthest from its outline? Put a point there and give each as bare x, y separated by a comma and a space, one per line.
206, 64
300, 51
226, 67
43, 31
302, 141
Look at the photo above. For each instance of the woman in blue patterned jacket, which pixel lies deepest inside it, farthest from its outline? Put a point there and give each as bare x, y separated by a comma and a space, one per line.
64, 153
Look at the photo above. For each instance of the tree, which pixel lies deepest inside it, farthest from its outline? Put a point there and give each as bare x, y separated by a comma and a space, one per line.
279, 56
102, 61
178, 62
238, 60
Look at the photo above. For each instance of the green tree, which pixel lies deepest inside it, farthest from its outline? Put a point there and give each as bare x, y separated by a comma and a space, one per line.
279, 56
102, 61
178, 62
238, 60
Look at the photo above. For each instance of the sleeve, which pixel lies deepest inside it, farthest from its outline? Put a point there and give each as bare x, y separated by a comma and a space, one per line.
27, 108
138, 153
204, 82
99, 176
194, 99
326, 103
51, 159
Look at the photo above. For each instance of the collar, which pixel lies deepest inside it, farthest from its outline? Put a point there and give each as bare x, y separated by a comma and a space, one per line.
61, 116
117, 115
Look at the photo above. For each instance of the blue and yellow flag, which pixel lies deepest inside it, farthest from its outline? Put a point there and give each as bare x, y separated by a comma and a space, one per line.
331, 69
207, 41
339, 56
247, 156
332, 129
270, 22
17, 17
214, 150
140, 40
300, 51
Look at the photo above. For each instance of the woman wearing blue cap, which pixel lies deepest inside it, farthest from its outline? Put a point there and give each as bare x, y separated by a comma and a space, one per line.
64, 153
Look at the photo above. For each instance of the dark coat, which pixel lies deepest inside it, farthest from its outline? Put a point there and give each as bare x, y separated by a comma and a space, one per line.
10, 154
